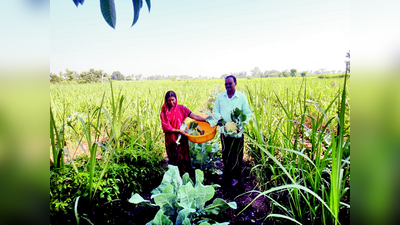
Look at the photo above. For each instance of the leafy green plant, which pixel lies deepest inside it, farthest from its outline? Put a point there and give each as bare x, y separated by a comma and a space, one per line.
212, 119
66, 185
108, 10
57, 140
297, 146
183, 202
203, 156
236, 127
116, 120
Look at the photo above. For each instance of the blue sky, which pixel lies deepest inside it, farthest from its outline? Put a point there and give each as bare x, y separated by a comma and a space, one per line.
208, 38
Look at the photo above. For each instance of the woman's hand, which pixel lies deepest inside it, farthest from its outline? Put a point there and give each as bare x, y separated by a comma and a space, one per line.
182, 132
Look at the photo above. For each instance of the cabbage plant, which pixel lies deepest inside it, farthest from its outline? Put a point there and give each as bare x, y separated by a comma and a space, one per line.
183, 202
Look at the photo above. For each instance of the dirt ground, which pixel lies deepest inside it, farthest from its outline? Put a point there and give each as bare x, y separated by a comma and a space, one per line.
120, 211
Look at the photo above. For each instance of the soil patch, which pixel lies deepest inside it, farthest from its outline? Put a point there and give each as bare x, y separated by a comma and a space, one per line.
120, 211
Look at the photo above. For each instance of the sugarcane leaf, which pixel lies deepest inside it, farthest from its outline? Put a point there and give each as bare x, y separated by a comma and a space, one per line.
137, 5
148, 4
108, 11
77, 2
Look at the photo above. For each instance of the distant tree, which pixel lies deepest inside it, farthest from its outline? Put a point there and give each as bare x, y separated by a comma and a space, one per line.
55, 79
116, 75
157, 77
293, 72
91, 76
320, 71
242, 74
256, 72
271, 73
130, 77
304, 73
285, 74
69, 75
106, 76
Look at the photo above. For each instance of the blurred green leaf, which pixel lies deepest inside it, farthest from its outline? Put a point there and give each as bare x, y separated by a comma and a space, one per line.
108, 11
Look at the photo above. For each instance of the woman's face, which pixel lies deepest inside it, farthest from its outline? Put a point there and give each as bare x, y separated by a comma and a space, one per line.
171, 101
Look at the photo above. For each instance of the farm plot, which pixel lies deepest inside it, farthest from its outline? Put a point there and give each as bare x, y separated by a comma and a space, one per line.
107, 143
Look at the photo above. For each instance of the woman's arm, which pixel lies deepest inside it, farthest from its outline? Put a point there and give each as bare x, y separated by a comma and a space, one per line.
197, 117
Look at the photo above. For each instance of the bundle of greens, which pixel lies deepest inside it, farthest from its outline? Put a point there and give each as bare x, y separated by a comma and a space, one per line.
213, 120
236, 127
204, 156
194, 129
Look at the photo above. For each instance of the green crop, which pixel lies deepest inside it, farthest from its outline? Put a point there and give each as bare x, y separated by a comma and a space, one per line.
183, 202
298, 139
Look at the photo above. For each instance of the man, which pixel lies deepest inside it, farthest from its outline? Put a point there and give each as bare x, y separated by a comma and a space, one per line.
232, 148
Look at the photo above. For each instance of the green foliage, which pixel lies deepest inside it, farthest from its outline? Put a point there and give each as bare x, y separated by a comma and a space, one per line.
116, 75
330, 76
289, 137
108, 10
239, 118
299, 141
203, 156
66, 184
91, 76
72, 77
304, 73
293, 72
194, 129
183, 202
135, 167
55, 79
132, 169
57, 140
212, 119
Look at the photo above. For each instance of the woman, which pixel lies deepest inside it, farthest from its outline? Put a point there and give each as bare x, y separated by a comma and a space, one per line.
172, 116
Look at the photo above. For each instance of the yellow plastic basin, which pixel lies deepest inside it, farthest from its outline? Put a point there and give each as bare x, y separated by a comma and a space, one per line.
209, 133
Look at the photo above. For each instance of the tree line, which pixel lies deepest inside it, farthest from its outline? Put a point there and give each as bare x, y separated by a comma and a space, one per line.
98, 76
91, 76
257, 73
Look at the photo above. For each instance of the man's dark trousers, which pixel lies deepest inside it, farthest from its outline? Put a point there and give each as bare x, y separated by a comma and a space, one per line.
232, 157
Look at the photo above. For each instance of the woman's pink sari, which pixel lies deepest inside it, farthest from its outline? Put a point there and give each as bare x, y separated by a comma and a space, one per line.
178, 155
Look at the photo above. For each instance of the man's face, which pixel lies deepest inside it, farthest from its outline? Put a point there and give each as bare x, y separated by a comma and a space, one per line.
230, 84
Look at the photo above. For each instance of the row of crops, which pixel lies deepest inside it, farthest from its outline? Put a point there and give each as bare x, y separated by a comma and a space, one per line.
107, 143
